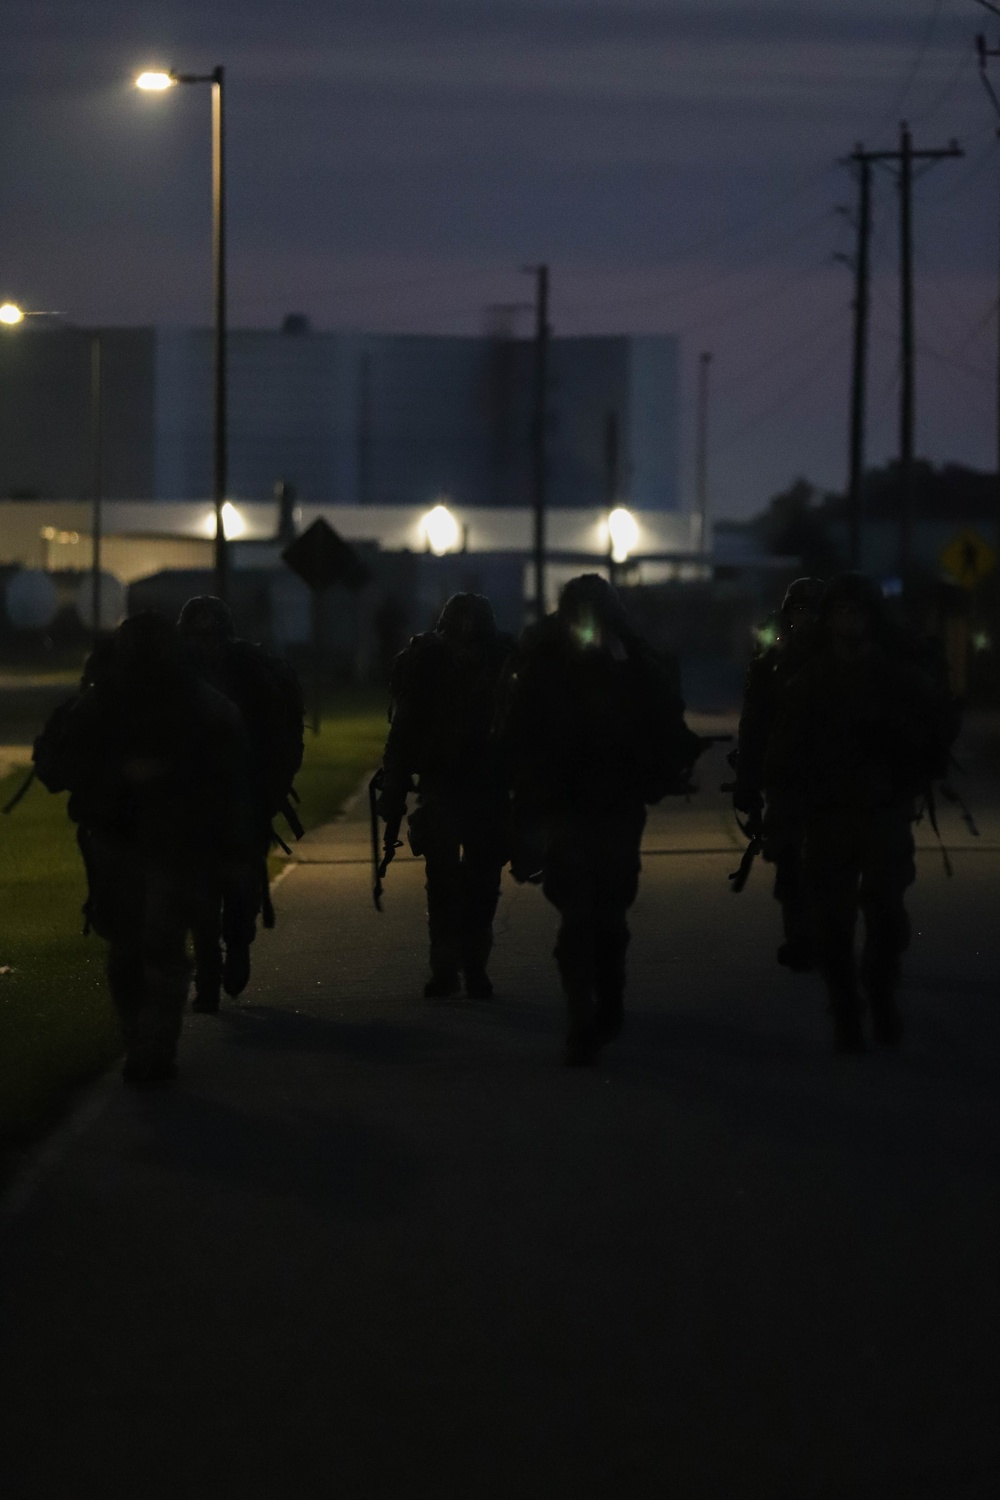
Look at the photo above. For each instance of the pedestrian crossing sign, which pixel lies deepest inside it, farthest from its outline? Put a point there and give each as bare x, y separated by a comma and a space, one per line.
968, 558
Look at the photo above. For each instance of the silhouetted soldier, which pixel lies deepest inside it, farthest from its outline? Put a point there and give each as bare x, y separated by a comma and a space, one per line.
156, 765
266, 691
860, 732
593, 728
783, 651
443, 702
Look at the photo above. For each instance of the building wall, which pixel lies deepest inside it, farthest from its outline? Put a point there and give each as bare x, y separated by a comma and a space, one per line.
46, 449
348, 419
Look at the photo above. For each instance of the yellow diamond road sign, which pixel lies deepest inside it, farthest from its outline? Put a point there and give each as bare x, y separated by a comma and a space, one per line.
968, 558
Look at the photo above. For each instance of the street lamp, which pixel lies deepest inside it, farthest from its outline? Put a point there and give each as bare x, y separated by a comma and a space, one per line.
159, 82
11, 314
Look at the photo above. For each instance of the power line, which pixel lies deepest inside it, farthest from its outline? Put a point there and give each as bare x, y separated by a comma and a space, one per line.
786, 396
921, 52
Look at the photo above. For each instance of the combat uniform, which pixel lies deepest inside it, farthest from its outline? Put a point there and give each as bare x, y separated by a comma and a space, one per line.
593, 730
266, 691
785, 647
444, 686
156, 765
855, 743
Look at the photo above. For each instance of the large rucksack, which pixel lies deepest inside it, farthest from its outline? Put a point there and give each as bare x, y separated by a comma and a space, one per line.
266, 690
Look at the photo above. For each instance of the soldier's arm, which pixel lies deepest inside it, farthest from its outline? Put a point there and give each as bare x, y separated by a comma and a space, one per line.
756, 723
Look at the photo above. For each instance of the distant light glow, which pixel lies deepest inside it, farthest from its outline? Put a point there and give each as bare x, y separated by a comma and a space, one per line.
155, 83
980, 641
441, 531
10, 314
233, 524
624, 532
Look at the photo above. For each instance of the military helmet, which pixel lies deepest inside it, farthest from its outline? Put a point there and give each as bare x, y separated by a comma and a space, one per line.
467, 617
143, 640
592, 594
205, 615
853, 588
803, 593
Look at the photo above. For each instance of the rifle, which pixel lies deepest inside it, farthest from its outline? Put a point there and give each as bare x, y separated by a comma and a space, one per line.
753, 831
21, 790
381, 860
291, 817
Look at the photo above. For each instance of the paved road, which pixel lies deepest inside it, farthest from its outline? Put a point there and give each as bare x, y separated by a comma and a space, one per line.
375, 1247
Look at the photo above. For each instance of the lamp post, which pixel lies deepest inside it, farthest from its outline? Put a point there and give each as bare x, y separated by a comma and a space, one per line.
157, 83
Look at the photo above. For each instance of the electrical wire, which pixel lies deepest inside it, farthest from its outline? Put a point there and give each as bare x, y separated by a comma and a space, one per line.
910, 77
786, 397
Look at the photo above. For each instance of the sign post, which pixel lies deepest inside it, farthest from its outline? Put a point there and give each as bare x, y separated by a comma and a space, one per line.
968, 559
321, 558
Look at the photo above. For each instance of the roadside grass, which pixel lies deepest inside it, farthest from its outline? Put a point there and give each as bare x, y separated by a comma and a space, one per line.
57, 1025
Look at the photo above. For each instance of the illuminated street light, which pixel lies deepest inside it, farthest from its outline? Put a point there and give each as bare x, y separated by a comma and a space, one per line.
11, 314
623, 530
157, 82
441, 531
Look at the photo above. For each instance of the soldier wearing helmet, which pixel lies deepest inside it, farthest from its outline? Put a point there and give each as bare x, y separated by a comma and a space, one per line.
443, 687
860, 731
593, 729
782, 650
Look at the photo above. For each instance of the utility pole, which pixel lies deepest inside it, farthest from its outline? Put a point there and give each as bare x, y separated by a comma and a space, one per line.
906, 391
859, 366
701, 450
906, 155
985, 53
539, 432
96, 470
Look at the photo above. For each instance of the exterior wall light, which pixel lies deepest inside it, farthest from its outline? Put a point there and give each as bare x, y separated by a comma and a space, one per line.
233, 523
441, 531
623, 530
11, 314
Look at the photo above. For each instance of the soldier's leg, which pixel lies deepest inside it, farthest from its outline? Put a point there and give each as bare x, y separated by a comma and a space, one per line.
888, 869
116, 912
206, 937
832, 872
570, 883
156, 1027
436, 835
242, 886
482, 863
796, 952
618, 884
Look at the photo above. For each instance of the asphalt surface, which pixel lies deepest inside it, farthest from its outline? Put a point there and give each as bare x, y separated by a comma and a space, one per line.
370, 1246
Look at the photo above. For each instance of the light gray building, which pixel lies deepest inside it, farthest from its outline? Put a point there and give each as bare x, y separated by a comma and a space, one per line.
347, 419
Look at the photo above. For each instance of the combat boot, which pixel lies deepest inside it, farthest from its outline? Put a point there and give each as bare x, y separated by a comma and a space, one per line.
145, 1068
887, 1023
582, 1047
236, 968
478, 985
207, 998
582, 1040
848, 1035
796, 956
442, 983
609, 1016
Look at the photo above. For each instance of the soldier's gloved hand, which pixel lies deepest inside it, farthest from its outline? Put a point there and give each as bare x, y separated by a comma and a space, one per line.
747, 800
391, 805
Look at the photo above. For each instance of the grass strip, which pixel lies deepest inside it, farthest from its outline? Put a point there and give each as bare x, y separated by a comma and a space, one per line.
57, 1024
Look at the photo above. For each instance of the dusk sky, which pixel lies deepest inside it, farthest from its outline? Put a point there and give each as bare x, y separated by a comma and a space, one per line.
393, 163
